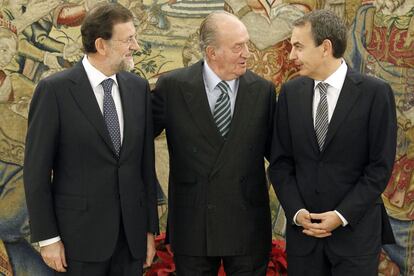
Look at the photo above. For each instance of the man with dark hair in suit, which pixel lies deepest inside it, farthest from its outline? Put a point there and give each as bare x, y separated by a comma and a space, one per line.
218, 121
89, 164
332, 154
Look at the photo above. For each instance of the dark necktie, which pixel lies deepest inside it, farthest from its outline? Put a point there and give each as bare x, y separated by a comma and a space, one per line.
222, 110
110, 115
321, 120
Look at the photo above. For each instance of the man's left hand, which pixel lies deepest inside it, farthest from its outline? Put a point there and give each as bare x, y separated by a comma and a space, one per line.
329, 221
150, 250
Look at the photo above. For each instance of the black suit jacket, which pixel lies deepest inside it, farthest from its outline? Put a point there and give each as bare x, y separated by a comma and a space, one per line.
218, 196
75, 185
351, 172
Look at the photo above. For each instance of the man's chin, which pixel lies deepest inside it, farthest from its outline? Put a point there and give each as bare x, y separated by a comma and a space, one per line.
241, 72
302, 71
127, 65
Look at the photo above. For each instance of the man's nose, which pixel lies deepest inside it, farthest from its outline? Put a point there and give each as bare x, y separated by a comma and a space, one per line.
245, 51
292, 54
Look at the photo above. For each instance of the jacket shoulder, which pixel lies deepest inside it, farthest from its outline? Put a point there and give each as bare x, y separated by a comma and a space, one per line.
295, 84
369, 84
128, 76
183, 74
60, 77
251, 77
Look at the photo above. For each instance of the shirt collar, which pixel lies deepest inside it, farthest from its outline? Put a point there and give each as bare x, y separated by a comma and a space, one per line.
337, 78
211, 79
94, 75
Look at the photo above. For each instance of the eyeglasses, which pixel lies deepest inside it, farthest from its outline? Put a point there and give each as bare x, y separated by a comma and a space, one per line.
130, 40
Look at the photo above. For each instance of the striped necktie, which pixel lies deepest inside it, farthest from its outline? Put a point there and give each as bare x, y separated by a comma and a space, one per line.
222, 110
321, 121
110, 115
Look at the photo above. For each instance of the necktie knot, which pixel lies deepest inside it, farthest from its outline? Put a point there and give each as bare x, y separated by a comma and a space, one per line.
224, 87
107, 85
323, 88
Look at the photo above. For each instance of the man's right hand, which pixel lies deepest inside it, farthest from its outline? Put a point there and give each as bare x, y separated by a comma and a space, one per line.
54, 256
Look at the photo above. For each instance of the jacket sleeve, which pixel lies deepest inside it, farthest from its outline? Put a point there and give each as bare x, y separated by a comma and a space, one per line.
148, 168
40, 152
382, 133
282, 165
272, 107
159, 106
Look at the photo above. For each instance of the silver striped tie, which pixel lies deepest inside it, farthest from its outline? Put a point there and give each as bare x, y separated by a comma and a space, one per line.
222, 110
321, 121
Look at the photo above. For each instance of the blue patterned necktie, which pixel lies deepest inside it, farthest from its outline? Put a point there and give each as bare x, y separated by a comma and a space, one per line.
321, 120
222, 110
110, 115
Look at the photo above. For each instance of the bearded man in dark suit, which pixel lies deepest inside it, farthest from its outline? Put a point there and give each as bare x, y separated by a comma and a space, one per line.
89, 164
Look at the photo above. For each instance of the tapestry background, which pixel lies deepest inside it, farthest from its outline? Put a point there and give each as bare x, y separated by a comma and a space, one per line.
41, 37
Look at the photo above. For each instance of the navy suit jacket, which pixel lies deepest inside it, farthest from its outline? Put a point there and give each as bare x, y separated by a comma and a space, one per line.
348, 175
76, 186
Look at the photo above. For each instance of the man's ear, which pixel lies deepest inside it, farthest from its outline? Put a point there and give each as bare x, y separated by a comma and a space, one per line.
101, 46
327, 47
211, 53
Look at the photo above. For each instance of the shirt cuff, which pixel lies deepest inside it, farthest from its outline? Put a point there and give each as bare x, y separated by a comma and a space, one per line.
294, 217
344, 221
49, 241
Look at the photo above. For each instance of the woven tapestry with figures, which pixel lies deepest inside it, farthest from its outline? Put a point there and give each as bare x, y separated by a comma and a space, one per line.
41, 37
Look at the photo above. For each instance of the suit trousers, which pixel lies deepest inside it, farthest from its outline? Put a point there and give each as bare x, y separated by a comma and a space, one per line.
323, 262
233, 265
121, 263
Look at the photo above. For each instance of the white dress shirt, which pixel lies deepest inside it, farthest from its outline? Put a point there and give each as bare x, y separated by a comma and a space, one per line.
213, 92
336, 81
95, 78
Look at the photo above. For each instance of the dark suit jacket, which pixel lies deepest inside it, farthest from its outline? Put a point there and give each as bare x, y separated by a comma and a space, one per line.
218, 197
75, 185
351, 172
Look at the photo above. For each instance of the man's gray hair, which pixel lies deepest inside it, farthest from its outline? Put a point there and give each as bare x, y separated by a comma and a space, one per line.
209, 28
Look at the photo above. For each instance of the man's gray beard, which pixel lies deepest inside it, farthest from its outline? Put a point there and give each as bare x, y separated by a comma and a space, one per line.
388, 6
125, 66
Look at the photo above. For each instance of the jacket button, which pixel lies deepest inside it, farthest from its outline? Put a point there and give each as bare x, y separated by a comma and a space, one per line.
210, 206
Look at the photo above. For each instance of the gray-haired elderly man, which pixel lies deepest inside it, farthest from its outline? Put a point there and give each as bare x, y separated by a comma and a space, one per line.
218, 121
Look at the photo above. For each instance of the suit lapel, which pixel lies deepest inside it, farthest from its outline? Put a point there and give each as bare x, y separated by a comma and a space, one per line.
306, 100
245, 102
126, 90
347, 98
83, 94
196, 98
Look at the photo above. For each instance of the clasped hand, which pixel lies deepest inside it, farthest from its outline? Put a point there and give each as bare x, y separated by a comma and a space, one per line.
318, 225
